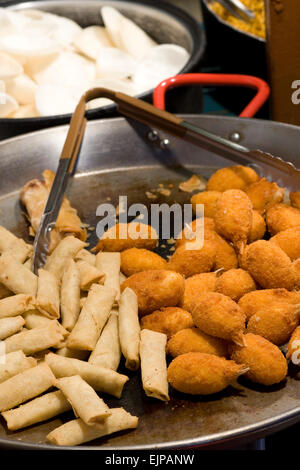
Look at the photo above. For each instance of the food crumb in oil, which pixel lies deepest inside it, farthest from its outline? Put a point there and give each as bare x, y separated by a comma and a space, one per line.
150, 195
193, 183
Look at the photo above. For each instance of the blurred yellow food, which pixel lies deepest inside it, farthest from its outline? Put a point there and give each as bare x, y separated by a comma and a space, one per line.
256, 27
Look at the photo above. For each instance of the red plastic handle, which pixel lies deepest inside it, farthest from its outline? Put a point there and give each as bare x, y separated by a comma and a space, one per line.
216, 79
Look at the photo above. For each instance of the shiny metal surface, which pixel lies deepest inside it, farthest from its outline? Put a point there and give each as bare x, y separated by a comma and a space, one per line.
207, 2
118, 159
238, 9
49, 217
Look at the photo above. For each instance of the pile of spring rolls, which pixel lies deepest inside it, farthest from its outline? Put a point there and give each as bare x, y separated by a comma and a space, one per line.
63, 333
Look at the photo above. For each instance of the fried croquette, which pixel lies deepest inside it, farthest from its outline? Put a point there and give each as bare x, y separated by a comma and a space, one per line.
208, 199
233, 217
264, 194
194, 286
235, 283
191, 231
255, 301
294, 347
282, 217
218, 315
168, 320
226, 257
296, 268
269, 265
135, 260
188, 261
232, 177
195, 340
289, 241
242, 258
124, 236
274, 322
295, 199
202, 374
258, 227
267, 365
155, 289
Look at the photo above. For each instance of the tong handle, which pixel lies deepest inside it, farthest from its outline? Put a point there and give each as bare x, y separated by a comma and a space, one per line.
148, 114
74, 138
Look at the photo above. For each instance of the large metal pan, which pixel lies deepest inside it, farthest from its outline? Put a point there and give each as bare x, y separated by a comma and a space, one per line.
117, 158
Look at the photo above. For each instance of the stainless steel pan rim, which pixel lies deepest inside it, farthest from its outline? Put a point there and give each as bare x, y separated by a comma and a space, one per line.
252, 432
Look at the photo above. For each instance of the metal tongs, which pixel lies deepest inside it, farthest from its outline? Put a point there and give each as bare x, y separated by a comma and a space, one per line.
151, 116
238, 9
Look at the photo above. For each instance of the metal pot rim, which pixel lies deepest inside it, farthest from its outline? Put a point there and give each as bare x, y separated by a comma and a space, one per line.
181, 16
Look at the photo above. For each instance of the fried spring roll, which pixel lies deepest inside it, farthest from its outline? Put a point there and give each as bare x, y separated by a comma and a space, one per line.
153, 364
92, 318
39, 409
109, 264
16, 277
68, 220
34, 196
129, 328
67, 249
13, 245
85, 402
35, 319
13, 363
28, 264
107, 352
73, 353
20, 251
87, 256
11, 325
77, 432
4, 292
47, 298
89, 275
15, 305
26, 385
70, 295
37, 339
101, 379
